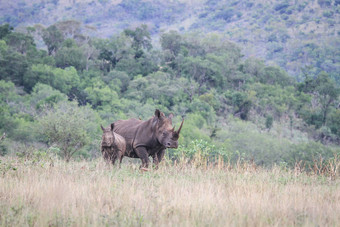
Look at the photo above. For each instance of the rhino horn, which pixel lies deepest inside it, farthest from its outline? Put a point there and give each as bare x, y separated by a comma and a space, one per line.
180, 127
103, 129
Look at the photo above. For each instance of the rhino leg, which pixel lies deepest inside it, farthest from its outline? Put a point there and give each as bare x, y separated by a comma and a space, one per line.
160, 155
120, 157
157, 158
105, 154
143, 155
113, 158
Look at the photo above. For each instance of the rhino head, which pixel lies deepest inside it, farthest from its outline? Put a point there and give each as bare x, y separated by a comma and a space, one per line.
108, 137
165, 132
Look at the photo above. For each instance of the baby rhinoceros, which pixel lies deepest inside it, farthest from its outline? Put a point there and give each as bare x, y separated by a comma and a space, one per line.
112, 146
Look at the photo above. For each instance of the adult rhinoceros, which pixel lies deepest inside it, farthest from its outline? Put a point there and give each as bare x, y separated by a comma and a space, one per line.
148, 138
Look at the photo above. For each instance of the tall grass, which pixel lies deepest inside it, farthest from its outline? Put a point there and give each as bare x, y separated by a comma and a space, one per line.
90, 193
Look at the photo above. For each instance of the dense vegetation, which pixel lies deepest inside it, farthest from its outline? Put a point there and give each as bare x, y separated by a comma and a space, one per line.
234, 107
298, 35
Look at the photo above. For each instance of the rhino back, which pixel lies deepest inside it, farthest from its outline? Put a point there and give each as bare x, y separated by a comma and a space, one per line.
120, 142
127, 129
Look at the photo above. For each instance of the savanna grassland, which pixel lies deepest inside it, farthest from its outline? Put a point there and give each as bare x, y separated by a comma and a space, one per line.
90, 193
256, 82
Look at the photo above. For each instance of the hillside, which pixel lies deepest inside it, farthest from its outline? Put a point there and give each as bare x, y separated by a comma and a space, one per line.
300, 36
60, 81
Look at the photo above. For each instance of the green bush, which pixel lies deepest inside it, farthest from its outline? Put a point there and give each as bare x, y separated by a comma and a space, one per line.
69, 127
309, 153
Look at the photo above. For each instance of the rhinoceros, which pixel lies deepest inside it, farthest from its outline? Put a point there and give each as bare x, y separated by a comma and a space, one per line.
112, 146
148, 138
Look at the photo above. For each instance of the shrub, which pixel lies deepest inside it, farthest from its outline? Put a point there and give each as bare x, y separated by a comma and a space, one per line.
309, 153
69, 127
327, 14
281, 6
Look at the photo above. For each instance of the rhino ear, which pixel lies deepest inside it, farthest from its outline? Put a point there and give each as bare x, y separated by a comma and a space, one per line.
157, 113
112, 126
103, 129
170, 117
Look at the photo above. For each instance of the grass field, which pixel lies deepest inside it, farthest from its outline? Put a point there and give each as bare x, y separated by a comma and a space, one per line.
89, 193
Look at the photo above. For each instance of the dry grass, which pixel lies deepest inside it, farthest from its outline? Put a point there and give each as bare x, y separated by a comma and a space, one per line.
92, 194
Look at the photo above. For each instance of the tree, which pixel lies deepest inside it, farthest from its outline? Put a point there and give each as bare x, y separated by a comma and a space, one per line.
158, 86
53, 39
39, 73
90, 53
269, 122
5, 30
69, 28
117, 79
275, 75
7, 95
61, 79
13, 65
141, 38
45, 96
204, 71
242, 104
112, 51
254, 67
326, 92
171, 42
69, 127
20, 42
70, 55
101, 95
334, 123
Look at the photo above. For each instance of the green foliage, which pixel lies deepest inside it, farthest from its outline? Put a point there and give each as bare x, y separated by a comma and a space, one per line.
6, 167
246, 142
20, 42
43, 96
101, 95
198, 151
324, 2
140, 38
52, 38
325, 93
38, 73
203, 71
5, 30
234, 107
172, 42
212, 99
159, 87
7, 94
334, 122
225, 14
241, 103
70, 55
309, 153
61, 79
275, 75
277, 31
273, 99
13, 65
269, 122
69, 127
117, 80
195, 128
